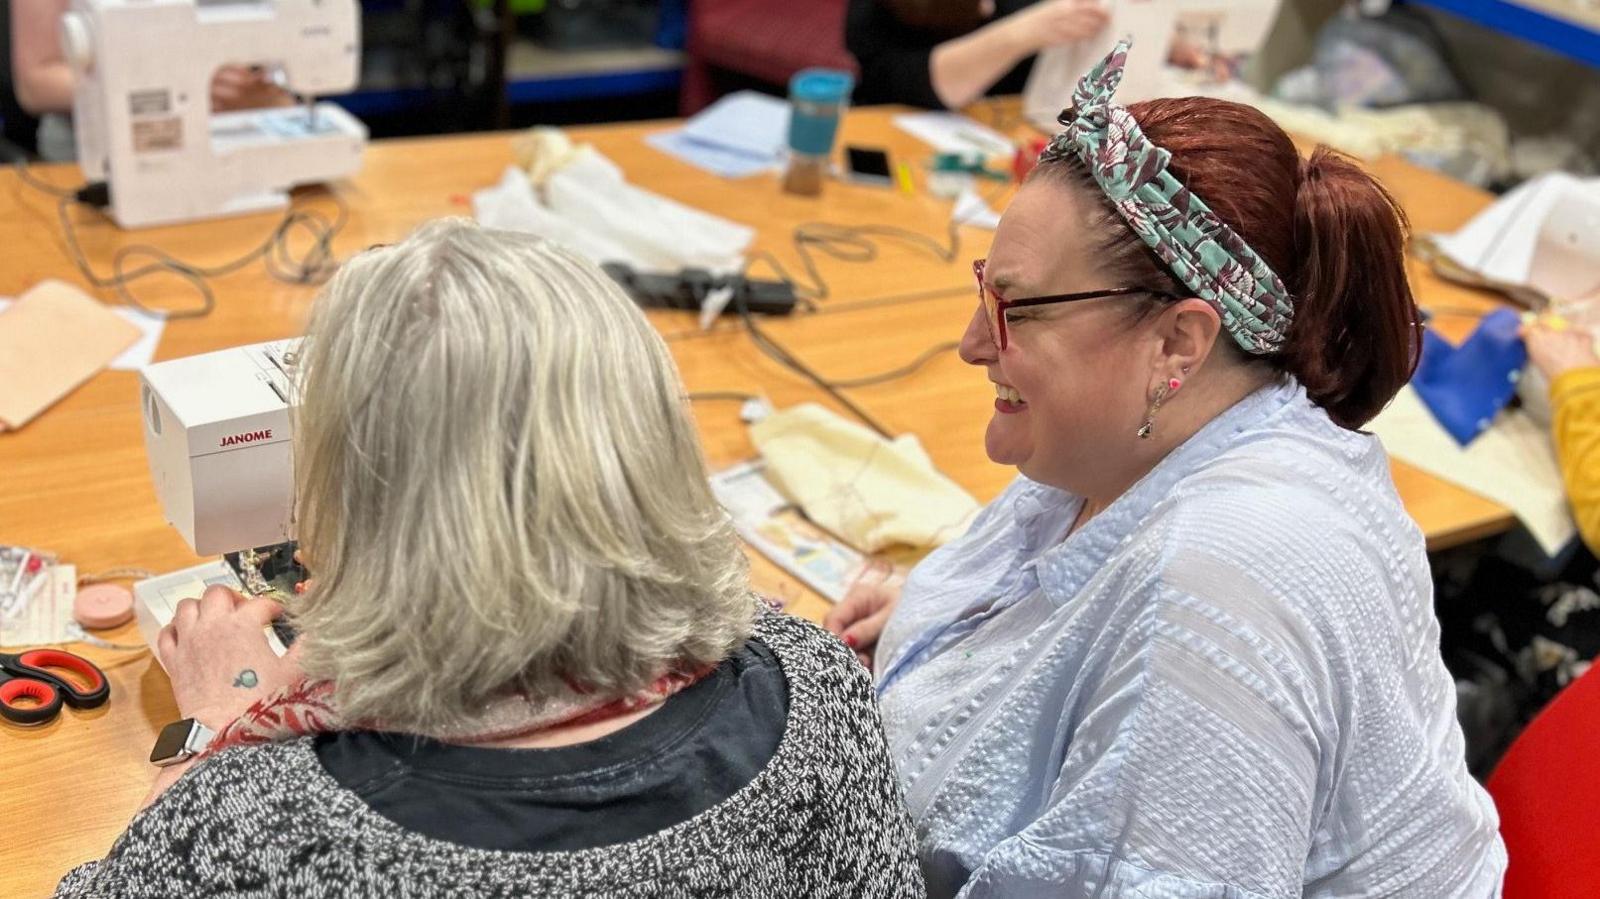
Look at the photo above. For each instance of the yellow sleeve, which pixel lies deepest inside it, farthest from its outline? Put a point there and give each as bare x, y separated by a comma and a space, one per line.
1575, 401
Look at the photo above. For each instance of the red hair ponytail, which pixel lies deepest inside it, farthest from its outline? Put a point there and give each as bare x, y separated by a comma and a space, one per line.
1355, 338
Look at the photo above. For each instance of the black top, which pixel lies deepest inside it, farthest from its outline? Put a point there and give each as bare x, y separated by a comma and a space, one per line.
894, 56
699, 748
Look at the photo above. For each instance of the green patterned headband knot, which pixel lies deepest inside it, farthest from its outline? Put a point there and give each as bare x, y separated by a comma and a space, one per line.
1209, 257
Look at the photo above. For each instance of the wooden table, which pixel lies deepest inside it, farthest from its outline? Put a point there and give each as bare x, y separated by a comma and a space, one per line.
75, 481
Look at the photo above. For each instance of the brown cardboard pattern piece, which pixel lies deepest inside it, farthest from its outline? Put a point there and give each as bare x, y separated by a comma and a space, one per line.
53, 338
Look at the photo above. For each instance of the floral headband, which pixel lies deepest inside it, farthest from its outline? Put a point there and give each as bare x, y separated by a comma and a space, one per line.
1209, 257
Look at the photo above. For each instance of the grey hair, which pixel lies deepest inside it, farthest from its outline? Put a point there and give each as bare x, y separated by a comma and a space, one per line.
499, 487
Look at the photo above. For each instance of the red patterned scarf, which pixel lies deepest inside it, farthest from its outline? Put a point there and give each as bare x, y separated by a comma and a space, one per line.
307, 707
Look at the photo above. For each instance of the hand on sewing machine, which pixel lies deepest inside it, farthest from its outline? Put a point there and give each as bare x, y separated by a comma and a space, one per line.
858, 619
218, 660
245, 87
1557, 348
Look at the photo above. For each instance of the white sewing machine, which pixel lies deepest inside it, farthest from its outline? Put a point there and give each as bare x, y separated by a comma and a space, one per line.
142, 103
216, 435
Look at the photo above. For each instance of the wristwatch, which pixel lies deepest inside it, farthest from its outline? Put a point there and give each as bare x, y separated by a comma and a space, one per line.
180, 741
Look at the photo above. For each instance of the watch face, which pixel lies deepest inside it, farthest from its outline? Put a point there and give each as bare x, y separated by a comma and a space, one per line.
174, 737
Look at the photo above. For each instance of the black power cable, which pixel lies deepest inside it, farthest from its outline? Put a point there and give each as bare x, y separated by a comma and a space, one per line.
314, 266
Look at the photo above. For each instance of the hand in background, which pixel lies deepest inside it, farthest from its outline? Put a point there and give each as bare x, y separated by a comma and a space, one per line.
859, 618
245, 87
1056, 22
1557, 350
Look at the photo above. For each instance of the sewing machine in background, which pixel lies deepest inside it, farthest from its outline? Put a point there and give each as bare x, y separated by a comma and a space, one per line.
142, 103
216, 434
1566, 258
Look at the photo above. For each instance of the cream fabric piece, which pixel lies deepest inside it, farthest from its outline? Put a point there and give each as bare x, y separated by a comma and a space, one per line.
1513, 463
872, 492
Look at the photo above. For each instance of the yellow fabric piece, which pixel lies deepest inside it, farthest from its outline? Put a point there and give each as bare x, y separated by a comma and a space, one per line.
1575, 401
871, 492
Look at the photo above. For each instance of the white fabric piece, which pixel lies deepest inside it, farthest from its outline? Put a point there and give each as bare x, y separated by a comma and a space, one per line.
658, 233
1468, 140
512, 205
1500, 241
581, 199
1227, 684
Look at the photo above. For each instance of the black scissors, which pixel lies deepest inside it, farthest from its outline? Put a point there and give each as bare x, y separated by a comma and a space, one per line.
26, 676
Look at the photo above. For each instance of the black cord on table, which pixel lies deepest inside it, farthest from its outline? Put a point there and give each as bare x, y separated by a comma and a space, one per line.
33, 181
857, 243
776, 351
851, 243
315, 266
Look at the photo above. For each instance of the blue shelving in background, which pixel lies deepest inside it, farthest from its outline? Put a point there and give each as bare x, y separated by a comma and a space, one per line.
1564, 36
589, 86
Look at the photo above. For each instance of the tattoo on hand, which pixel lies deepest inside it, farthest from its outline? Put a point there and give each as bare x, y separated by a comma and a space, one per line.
246, 679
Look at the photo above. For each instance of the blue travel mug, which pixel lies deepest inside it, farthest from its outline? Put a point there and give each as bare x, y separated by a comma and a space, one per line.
817, 101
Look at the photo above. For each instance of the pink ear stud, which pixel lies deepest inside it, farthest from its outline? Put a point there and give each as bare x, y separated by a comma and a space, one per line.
1173, 385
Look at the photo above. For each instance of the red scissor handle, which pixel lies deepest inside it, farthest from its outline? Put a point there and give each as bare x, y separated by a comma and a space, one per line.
36, 664
45, 700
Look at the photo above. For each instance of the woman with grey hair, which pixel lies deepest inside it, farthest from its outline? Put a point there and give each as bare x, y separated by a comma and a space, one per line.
531, 663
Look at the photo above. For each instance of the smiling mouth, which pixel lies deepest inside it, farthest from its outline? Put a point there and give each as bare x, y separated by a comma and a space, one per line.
1007, 399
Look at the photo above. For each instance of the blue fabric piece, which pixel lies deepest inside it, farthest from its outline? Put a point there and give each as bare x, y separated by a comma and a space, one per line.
1465, 387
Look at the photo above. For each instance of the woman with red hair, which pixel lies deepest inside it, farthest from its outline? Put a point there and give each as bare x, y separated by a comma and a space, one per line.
1191, 650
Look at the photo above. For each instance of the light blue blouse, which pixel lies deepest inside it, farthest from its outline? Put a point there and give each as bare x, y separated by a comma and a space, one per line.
1227, 684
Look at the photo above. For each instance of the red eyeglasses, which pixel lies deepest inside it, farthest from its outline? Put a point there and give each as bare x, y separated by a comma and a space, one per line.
995, 308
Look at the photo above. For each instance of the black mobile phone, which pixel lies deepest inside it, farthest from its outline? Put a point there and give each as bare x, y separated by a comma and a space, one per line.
868, 166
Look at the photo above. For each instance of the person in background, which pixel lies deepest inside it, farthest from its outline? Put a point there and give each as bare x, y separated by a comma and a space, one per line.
530, 662
949, 53
43, 82
1566, 356
1191, 651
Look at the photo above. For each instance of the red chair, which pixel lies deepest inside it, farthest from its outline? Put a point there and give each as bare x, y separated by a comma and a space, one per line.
768, 40
1547, 788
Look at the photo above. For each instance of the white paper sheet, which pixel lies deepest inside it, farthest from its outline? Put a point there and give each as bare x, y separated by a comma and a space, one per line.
777, 530
948, 132
745, 122
715, 159
1513, 463
742, 134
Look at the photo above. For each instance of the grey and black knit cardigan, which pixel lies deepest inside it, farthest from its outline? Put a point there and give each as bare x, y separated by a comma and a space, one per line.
824, 818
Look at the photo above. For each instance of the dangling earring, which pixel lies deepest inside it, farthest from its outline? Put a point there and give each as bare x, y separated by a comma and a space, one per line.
1162, 392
